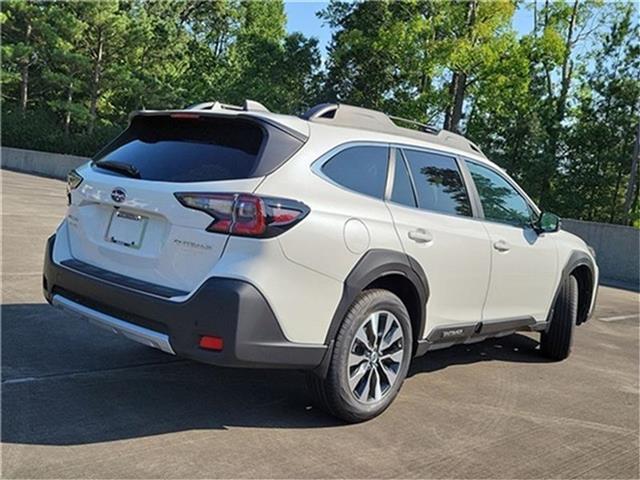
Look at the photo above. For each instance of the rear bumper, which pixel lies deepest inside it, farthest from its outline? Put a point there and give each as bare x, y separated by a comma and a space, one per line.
232, 309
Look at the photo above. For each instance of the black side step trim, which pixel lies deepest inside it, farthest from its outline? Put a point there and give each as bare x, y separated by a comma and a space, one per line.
496, 326
462, 332
121, 280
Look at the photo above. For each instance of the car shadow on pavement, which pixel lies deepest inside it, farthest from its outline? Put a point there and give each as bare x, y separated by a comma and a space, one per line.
517, 348
65, 382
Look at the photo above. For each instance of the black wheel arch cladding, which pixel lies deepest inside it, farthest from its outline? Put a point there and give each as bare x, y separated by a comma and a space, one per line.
373, 266
578, 263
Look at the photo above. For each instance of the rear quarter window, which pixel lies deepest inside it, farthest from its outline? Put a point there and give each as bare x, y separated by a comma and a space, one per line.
361, 169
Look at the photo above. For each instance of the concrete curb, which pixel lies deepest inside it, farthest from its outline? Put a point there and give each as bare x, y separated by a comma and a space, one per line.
53, 165
617, 250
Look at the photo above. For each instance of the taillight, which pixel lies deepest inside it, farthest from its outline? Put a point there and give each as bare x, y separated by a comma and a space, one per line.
246, 214
74, 179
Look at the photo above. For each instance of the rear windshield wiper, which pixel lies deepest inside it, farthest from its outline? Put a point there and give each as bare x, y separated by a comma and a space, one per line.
120, 167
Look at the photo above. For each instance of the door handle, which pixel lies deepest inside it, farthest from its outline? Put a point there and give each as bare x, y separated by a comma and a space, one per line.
501, 246
420, 235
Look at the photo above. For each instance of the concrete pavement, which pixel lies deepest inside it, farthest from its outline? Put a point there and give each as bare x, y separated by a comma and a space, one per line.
80, 403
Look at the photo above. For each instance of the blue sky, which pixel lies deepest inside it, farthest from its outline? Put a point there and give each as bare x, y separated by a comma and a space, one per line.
301, 17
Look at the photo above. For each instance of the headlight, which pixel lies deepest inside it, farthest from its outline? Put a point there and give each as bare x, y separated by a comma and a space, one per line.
73, 180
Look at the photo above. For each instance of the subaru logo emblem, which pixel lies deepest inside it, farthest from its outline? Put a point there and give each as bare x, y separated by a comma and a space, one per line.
118, 195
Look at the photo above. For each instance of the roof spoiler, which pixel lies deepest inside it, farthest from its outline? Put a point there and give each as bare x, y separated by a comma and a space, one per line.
248, 106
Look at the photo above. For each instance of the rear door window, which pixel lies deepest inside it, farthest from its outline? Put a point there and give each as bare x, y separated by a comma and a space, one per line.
439, 184
196, 149
362, 169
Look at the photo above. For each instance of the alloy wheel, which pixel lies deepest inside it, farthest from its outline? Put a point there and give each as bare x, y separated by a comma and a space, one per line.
375, 357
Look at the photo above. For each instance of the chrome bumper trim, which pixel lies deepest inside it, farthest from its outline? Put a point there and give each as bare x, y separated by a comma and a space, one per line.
117, 326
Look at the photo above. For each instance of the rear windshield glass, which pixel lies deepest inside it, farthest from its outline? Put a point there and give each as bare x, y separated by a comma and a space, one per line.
187, 149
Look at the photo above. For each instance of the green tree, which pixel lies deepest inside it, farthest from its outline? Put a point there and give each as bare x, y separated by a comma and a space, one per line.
602, 136
104, 42
503, 117
74, 70
479, 37
159, 57
560, 29
63, 64
25, 32
421, 57
267, 64
383, 55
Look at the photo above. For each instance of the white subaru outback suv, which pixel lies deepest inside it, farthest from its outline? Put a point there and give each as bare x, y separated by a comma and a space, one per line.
336, 242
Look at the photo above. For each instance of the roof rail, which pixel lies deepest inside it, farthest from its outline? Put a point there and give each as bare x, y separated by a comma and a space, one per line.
357, 117
248, 106
423, 126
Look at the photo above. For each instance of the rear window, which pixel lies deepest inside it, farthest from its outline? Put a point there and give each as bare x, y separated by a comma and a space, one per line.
199, 149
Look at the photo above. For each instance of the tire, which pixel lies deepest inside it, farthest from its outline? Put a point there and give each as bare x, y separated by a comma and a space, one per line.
373, 385
556, 342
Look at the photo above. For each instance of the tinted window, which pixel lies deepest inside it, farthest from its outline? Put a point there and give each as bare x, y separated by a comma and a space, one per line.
362, 169
188, 150
439, 185
402, 189
500, 201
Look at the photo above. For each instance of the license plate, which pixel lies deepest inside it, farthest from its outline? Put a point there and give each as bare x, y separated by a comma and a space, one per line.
126, 229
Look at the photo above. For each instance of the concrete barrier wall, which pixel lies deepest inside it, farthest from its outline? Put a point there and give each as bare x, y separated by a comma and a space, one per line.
53, 165
617, 247
617, 250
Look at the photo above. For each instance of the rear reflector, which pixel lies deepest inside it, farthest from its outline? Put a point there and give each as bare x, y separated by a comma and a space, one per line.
211, 343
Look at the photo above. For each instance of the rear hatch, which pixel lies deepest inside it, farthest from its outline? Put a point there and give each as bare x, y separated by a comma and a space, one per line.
124, 216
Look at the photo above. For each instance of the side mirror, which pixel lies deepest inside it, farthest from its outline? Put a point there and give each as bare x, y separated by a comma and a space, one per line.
547, 223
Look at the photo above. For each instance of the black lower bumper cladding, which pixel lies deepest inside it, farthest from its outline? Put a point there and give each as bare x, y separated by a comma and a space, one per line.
232, 309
